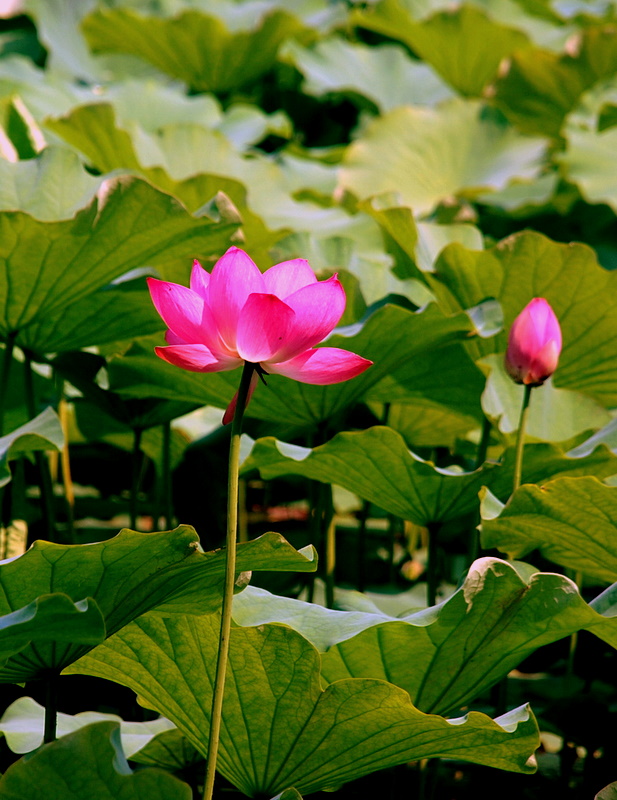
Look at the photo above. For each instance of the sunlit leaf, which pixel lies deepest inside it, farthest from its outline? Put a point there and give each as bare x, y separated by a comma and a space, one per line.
460, 148
279, 728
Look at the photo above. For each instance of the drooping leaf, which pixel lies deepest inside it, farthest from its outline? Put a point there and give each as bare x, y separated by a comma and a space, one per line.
376, 465
463, 44
168, 750
448, 655
44, 432
460, 148
195, 47
572, 521
115, 581
279, 728
23, 725
389, 337
528, 265
86, 764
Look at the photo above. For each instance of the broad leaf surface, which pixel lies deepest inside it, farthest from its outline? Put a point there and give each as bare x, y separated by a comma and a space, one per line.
447, 655
376, 465
572, 521
87, 764
527, 265
460, 148
196, 48
44, 432
116, 581
279, 728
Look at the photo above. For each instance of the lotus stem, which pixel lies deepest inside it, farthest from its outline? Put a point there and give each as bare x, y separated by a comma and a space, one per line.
7, 361
51, 708
432, 577
230, 577
520, 439
137, 460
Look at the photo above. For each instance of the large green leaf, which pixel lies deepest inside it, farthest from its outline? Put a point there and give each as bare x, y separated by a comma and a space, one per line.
279, 728
527, 265
42, 433
87, 764
196, 48
463, 44
113, 582
23, 725
445, 656
460, 148
385, 74
50, 266
572, 521
376, 465
389, 337
541, 87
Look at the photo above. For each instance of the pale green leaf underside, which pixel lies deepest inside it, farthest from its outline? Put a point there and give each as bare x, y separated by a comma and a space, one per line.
44, 432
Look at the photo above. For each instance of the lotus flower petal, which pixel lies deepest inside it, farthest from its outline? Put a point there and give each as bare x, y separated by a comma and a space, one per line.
195, 358
263, 327
287, 277
322, 366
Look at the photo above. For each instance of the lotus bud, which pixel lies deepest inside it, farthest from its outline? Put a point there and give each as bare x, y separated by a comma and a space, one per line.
534, 344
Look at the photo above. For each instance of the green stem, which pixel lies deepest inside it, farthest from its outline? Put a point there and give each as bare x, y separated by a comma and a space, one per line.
363, 517
329, 528
432, 577
474, 537
520, 439
51, 708
40, 459
230, 577
137, 459
7, 361
166, 494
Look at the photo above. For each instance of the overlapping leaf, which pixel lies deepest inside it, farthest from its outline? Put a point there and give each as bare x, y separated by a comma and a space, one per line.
86, 764
279, 728
60, 600
44, 432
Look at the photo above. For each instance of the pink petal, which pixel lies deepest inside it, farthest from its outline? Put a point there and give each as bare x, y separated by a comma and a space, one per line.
534, 344
195, 358
287, 277
200, 280
180, 308
318, 308
231, 408
173, 338
322, 366
234, 277
262, 328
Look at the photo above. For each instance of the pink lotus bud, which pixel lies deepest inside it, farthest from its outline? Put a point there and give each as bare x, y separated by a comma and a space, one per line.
534, 344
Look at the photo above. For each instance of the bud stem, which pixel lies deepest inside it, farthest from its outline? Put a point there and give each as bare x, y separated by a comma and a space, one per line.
230, 577
520, 440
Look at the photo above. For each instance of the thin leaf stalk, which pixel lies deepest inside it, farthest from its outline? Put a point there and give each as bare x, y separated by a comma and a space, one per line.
136, 463
230, 577
51, 708
7, 362
432, 571
65, 461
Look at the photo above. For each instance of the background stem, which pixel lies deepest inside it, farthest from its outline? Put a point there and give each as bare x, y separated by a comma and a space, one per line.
51, 708
230, 577
432, 576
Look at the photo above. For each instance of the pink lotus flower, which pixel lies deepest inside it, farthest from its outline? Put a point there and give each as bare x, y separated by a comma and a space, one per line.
236, 314
534, 344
